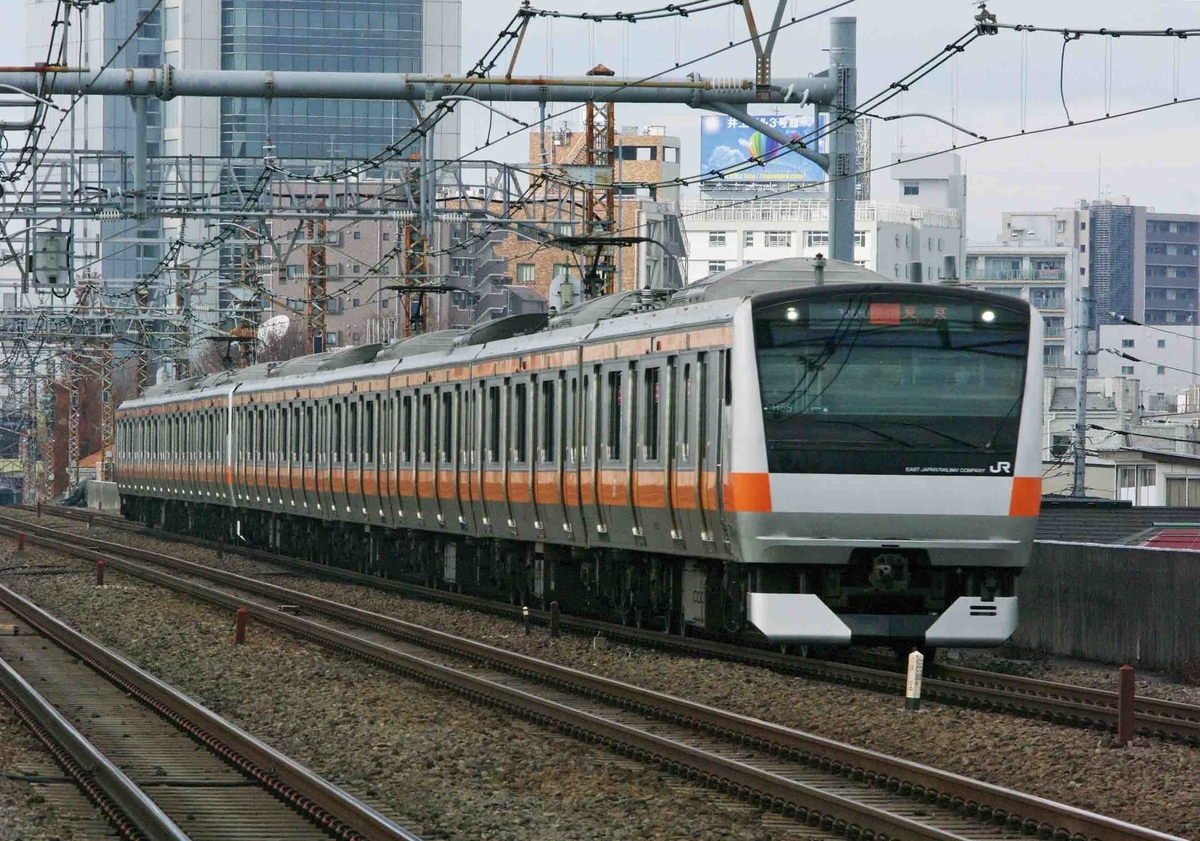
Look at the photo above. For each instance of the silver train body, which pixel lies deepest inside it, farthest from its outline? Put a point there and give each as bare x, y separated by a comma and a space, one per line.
855, 462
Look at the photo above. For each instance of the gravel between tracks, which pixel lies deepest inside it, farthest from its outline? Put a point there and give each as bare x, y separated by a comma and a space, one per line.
24, 811
1152, 783
439, 765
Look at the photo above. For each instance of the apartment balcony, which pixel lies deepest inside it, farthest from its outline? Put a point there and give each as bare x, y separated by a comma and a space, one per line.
1033, 274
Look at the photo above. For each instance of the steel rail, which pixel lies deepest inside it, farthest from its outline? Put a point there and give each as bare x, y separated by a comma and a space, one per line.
996, 804
85, 763
1059, 703
289, 777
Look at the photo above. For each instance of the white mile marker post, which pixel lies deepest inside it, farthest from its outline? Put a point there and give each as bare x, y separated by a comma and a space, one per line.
912, 689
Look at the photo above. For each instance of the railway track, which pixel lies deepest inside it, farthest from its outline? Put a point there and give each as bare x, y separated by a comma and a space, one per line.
816, 782
1060, 703
156, 764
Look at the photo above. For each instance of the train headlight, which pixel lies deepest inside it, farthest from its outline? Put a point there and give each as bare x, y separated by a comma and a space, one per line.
987, 316
792, 314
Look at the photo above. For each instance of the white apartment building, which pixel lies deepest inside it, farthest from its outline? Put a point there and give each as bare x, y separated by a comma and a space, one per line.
1040, 257
1166, 359
920, 240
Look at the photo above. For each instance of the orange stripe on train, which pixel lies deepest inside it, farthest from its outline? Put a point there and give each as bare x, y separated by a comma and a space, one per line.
1026, 498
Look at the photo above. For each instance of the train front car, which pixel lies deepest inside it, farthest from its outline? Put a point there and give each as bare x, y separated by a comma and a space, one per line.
885, 462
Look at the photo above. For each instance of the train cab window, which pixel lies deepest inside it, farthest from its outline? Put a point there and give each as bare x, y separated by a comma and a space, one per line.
426, 427
406, 429
369, 429
651, 412
521, 423
446, 424
615, 400
549, 419
336, 445
352, 431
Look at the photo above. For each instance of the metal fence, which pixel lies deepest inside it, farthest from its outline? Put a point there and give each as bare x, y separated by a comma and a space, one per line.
1112, 603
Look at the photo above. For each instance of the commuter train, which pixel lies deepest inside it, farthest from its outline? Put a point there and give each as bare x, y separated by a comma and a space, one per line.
830, 458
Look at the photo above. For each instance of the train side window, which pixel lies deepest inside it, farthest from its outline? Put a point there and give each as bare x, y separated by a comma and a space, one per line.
520, 423
369, 428
588, 412
493, 423
727, 358
282, 447
406, 430
615, 401
549, 419
686, 405
426, 427
446, 424
651, 412
308, 434
336, 449
295, 442
352, 430
571, 420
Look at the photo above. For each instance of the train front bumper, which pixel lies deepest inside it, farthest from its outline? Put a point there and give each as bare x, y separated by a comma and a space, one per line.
969, 621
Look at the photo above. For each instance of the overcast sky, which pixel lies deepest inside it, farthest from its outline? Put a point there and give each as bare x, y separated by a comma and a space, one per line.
1149, 157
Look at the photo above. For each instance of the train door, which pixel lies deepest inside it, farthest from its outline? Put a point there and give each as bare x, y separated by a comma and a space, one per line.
406, 468
572, 418
706, 452
448, 510
592, 450
486, 443
519, 479
648, 477
615, 459
547, 484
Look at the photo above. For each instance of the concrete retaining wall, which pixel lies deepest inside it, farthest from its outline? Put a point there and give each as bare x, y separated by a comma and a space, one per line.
103, 495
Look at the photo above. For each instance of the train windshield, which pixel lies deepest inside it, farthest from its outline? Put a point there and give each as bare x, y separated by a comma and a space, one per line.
891, 382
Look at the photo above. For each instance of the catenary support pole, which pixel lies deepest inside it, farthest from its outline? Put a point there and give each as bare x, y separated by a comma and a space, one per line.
843, 142
1078, 482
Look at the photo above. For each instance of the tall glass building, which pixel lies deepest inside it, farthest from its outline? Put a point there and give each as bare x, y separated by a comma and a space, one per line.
333, 36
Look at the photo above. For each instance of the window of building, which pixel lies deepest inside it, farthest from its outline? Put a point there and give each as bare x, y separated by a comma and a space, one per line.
331, 338
860, 239
1126, 369
715, 266
1162, 369
335, 306
816, 239
1054, 326
356, 302
896, 269
1083, 226
357, 268
358, 234
779, 239
897, 240
387, 236
1053, 355
1082, 248
1126, 342
295, 272
671, 154
1162, 343
525, 272
912, 188
748, 239
716, 239
1061, 226
1082, 271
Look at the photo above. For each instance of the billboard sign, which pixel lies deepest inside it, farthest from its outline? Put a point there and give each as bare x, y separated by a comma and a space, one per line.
726, 142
